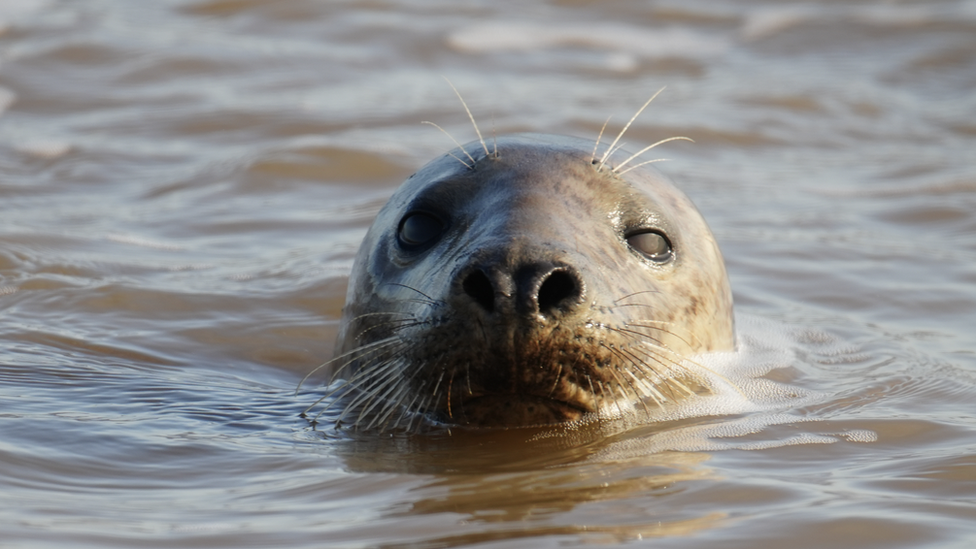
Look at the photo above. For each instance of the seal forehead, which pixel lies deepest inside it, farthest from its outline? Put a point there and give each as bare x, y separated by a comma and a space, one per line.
537, 173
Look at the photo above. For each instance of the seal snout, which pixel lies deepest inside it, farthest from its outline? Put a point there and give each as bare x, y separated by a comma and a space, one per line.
533, 289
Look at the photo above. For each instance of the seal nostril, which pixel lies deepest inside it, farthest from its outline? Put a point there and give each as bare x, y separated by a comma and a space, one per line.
480, 289
556, 288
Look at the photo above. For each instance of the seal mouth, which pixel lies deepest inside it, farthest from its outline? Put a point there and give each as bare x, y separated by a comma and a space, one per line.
515, 410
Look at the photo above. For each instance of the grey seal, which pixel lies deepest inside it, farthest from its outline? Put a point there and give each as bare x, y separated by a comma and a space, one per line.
529, 285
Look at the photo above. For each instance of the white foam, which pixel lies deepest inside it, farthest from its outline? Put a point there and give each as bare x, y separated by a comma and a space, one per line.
737, 378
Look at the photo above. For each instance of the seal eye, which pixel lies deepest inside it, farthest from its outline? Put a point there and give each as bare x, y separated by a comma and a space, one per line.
418, 229
652, 245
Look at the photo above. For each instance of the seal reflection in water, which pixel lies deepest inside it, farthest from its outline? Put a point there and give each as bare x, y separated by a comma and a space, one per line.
530, 284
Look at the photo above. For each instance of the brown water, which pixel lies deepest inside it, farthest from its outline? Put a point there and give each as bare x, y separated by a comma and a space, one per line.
183, 185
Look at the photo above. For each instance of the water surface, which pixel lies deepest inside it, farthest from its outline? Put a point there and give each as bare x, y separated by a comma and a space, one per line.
184, 183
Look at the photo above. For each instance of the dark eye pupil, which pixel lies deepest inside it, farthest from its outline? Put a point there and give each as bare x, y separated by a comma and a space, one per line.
419, 228
652, 245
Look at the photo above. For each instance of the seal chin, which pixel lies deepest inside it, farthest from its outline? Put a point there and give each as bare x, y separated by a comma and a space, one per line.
512, 410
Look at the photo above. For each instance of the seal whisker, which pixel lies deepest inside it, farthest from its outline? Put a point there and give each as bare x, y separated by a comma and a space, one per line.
363, 352
379, 398
610, 152
637, 394
667, 331
390, 404
617, 168
655, 379
646, 339
494, 136
391, 410
617, 386
390, 313
653, 374
398, 326
642, 387
347, 357
616, 389
666, 377
405, 409
467, 377
450, 386
466, 153
316, 403
377, 366
365, 382
471, 116
423, 409
555, 380
589, 380
347, 386
628, 296
665, 327
430, 300
603, 391
598, 138
653, 352
410, 411
413, 410
712, 371
438, 384
406, 391
626, 127
398, 323
649, 388
362, 400
656, 396
644, 163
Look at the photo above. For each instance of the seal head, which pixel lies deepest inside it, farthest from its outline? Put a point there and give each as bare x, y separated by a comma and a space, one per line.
533, 286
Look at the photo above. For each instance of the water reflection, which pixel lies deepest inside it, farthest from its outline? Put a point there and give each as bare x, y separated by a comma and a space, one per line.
509, 484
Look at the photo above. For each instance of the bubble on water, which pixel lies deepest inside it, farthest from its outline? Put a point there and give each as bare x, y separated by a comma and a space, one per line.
859, 435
